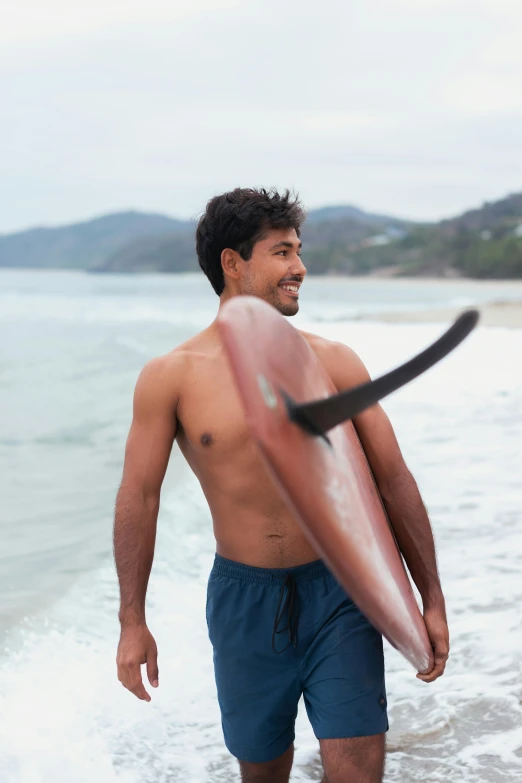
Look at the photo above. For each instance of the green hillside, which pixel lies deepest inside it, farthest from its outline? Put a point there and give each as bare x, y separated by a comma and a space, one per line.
326, 235
154, 254
177, 253
481, 243
82, 245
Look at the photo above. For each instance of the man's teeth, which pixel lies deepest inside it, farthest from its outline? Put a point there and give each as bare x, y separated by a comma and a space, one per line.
293, 288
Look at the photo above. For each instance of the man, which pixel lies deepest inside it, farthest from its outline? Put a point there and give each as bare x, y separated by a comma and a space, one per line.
266, 653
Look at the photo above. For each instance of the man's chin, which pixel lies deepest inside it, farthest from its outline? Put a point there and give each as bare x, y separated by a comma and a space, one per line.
288, 309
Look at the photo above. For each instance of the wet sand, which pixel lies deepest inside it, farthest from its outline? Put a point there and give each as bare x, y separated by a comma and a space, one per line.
504, 314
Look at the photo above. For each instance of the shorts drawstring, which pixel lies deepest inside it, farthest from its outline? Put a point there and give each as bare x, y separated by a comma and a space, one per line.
291, 607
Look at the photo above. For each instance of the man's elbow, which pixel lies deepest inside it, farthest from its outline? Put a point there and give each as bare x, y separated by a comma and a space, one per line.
138, 494
394, 481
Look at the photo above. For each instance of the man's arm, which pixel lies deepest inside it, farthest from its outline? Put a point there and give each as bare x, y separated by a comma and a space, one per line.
401, 498
147, 453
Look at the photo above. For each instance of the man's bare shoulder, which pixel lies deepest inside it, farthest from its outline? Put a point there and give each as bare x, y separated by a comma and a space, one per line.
341, 362
159, 368
328, 349
168, 370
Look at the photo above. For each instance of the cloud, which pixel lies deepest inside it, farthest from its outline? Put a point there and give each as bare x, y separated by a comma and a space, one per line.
409, 107
27, 21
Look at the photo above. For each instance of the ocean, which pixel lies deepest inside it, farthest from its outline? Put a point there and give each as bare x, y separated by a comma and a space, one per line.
71, 349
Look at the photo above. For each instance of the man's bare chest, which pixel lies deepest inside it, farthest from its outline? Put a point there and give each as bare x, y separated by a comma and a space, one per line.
210, 412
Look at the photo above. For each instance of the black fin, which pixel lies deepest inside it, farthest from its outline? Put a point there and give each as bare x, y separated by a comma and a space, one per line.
319, 416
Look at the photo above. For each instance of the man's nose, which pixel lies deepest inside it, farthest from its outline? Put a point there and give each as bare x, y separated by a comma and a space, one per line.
298, 268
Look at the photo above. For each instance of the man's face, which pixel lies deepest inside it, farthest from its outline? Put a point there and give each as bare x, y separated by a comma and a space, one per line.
275, 271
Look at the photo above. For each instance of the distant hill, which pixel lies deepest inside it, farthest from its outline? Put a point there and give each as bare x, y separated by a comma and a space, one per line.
481, 243
154, 254
85, 244
137, 242
324, 230
492, 215
353, 213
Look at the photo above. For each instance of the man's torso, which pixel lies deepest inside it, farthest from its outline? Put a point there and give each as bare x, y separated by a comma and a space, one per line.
252, 524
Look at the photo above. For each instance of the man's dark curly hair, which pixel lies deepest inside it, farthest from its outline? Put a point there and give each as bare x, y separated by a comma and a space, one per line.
238, 220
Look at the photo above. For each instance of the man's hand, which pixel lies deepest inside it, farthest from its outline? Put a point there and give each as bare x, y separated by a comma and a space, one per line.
137, 646
437, 627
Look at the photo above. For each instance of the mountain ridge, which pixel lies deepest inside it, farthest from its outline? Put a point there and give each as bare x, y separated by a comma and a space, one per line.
484, 242
80, 245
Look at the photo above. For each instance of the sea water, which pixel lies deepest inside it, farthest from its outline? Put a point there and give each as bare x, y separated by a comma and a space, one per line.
71, 348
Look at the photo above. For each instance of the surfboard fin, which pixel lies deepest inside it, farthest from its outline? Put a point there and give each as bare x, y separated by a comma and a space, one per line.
319, 416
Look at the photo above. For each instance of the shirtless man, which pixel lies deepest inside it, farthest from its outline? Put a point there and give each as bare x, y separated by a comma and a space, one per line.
266, 653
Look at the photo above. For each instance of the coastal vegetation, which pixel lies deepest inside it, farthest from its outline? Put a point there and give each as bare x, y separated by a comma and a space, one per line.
481, 243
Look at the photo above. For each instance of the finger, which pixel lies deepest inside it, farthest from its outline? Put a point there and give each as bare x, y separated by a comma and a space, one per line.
133, 682
123, 676
140, 692
152, 667
437, 671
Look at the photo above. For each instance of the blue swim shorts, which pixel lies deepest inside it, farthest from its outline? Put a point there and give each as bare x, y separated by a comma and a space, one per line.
278, 634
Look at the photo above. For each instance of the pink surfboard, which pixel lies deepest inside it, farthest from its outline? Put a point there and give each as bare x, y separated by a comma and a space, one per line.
327, 483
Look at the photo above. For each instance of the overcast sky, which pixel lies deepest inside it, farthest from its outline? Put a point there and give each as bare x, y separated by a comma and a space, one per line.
410, 107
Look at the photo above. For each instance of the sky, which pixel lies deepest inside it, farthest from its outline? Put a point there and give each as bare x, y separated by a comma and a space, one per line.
406, 107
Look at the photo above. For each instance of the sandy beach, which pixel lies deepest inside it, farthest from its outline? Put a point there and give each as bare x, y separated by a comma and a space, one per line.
504, 314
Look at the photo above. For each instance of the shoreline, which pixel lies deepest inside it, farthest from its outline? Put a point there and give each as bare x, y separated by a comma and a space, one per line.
504, 314
381, 279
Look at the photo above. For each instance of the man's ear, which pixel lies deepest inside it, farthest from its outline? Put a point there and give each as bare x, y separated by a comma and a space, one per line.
229, 262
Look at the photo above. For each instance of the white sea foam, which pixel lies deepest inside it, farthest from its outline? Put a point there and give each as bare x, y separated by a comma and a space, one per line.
111, 310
